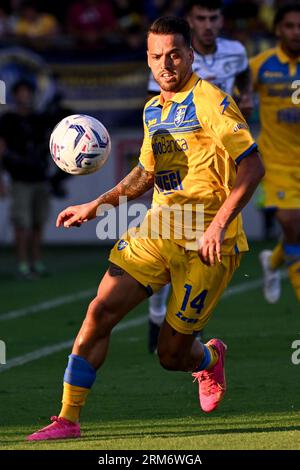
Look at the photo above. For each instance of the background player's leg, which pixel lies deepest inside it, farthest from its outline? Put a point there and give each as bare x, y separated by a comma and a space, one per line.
157, 312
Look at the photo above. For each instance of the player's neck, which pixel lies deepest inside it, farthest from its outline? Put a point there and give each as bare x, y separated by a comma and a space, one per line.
289, 53
202, 48
168, 95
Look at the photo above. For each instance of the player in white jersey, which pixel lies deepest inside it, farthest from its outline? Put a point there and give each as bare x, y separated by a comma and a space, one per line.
223, 62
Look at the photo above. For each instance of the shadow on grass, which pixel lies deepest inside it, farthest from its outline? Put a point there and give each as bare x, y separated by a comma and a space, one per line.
89, 433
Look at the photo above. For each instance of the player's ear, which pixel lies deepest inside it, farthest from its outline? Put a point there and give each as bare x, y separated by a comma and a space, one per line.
148, 59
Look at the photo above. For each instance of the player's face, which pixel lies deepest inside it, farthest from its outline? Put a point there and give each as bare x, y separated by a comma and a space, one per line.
288, 32
205, 25
24, 97
170, 60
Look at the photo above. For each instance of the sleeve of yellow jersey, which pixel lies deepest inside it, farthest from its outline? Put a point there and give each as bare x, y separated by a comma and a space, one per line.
146, 160
222, 120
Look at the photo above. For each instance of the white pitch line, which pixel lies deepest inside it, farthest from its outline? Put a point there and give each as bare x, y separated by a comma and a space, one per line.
47, 305
247, 286
48, 350
243, 287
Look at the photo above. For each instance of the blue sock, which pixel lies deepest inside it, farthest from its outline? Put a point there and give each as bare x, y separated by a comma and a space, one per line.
205, 361
79, 372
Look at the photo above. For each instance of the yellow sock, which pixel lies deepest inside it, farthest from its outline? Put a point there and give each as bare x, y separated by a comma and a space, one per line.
294, 275
278, 256
73, 400
214, 357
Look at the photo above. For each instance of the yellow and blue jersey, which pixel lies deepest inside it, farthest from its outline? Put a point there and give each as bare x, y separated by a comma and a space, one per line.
193, 143
273, 74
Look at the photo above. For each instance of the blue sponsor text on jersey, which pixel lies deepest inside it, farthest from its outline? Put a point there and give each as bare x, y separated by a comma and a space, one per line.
168, 181
162, 145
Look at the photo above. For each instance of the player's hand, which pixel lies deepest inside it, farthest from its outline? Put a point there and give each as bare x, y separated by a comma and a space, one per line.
246, 104
210, 244
74, 216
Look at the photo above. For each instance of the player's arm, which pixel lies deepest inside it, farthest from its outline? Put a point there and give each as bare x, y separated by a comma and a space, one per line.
250, 171
243, 82
136, 183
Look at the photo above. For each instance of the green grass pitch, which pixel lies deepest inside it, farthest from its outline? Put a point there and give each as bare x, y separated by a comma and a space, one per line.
135, 404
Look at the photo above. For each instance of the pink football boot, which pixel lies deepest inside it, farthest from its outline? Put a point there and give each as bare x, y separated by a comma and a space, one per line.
212, 383
60, 428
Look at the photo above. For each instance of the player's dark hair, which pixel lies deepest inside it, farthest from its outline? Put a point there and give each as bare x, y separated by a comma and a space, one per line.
208, 4
284, 10
172, 25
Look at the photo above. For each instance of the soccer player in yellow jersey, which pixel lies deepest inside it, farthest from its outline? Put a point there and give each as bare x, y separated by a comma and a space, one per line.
197, 150
275, 73
222, 62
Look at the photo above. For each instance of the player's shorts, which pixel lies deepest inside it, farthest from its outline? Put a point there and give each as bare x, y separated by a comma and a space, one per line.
29, 204
281, 187
196, 288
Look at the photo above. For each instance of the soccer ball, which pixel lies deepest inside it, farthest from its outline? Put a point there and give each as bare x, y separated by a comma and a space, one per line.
79, 144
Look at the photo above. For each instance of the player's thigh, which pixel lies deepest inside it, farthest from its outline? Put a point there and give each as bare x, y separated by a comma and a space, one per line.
143, 259
196, 289
119, 292
137, 271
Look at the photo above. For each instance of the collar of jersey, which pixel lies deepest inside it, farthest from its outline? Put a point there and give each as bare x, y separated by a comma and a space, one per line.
285, 59
182, 94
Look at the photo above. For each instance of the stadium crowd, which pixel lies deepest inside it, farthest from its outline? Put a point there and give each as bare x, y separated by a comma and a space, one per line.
105, 24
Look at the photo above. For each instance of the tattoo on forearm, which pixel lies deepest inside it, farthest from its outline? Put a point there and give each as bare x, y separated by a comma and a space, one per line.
136, 183
115, 270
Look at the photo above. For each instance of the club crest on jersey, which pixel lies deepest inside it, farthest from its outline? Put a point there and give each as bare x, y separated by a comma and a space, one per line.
122, 244
179, 116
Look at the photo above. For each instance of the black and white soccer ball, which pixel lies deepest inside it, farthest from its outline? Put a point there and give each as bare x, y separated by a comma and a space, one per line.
80, 144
